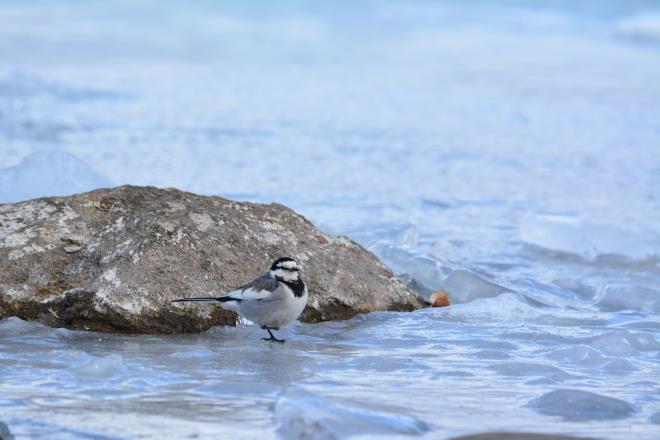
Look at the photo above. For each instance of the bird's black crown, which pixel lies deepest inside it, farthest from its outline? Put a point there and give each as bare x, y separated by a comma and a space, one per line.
280, 263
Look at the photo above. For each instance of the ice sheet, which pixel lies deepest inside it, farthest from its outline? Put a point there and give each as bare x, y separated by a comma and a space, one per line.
506, 151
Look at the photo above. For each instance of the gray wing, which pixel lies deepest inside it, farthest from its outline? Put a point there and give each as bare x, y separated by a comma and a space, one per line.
261, 288
262, 282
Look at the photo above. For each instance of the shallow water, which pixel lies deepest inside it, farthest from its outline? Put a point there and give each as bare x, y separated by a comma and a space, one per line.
507, 154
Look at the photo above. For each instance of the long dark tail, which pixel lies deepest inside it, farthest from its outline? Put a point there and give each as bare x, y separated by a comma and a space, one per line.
206, 299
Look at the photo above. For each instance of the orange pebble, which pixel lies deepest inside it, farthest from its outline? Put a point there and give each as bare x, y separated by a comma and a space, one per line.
439, 299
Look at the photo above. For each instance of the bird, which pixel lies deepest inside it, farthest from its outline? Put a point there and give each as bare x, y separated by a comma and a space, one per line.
272, 300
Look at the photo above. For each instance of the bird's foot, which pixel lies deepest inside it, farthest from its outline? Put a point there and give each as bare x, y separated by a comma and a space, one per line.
270, 333
274, 339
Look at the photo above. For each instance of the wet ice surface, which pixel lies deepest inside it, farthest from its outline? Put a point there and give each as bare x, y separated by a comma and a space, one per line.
434, 373
432, 133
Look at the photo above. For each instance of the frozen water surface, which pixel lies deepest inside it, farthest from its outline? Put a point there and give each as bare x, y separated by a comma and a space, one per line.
506, 151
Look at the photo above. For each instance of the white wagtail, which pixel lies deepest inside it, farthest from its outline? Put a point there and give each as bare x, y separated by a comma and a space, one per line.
272, 300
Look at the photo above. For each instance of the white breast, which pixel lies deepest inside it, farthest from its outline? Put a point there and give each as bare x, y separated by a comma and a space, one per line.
292, 308
279, 309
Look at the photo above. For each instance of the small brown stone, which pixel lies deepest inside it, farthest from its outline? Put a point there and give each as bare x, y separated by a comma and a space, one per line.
439, 299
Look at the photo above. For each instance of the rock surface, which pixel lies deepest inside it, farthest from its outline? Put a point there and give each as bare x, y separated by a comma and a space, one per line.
113, 259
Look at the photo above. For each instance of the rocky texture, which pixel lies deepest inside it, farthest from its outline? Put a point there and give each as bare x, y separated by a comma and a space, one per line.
113, 259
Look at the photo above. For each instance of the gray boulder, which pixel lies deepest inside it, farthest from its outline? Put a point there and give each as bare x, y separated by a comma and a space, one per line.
113, 259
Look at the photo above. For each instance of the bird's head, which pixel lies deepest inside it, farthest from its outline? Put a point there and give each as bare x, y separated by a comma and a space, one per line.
285, 268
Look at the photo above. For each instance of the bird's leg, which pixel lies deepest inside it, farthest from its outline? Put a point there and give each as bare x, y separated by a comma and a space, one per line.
272, 337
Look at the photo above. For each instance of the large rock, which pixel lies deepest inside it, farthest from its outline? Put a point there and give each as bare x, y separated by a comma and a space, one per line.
113, 259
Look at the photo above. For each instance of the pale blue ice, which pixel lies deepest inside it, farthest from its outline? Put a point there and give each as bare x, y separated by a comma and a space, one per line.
506, 151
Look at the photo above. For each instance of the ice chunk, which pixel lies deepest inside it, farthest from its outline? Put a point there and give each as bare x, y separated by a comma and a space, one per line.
14, 327
466, 286
589, 239
301, 415
452, 250
421, 268
643, 341
616, 297
619, 367
48, 173
625, 343
614, 344
581, 406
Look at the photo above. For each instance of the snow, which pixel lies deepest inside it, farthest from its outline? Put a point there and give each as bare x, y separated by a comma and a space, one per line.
505, 151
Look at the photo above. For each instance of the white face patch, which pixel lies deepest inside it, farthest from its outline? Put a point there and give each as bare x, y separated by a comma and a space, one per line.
286, 275
288, 265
